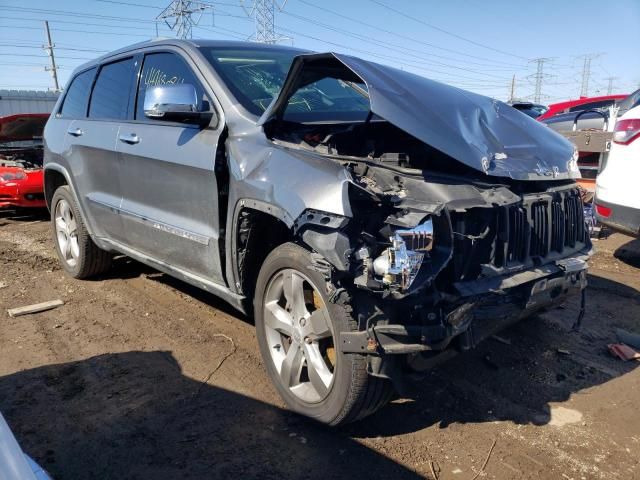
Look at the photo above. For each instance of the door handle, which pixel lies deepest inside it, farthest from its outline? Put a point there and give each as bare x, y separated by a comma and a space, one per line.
131, 139
76, 132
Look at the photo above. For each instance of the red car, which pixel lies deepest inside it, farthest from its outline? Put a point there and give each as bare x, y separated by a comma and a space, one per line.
21, 178
583, 103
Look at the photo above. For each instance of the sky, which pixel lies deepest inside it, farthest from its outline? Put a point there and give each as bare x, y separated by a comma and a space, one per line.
475, 45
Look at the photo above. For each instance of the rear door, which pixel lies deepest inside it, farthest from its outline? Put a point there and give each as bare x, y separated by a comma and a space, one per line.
96, 162
170, 195
59, 131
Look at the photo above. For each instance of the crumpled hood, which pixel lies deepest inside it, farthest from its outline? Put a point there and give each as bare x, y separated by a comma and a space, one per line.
485, 134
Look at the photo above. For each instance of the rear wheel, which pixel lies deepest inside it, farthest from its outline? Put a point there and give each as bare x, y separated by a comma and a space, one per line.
298, 331
78, 255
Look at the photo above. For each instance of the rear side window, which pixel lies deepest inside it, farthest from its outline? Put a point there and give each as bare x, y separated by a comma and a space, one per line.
77, 97
165, 69
110, 97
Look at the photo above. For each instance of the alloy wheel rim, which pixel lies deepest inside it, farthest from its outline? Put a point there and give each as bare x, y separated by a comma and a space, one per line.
299, 336
67, 233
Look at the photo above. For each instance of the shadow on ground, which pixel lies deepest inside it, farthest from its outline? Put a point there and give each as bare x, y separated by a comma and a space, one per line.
629, 253
124, 267
134, 415
23, 215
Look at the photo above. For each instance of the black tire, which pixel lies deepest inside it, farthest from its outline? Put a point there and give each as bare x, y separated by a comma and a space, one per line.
91, 260
354, 393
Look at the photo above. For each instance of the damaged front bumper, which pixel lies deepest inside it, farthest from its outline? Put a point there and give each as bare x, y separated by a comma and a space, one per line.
484, 308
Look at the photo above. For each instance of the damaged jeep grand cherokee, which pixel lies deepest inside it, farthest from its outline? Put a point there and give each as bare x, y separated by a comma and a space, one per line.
371, 220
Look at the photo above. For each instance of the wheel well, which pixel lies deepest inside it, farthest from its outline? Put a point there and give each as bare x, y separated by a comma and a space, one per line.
52, 180
258, 233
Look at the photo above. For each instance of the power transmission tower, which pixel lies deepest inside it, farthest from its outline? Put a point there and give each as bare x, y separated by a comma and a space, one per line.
586, 73
263, 13
512, 95
49, 49
539, 76
182, 16
610, 81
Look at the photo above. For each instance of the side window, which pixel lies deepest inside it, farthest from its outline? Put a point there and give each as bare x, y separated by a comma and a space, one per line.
77, 97
110, 97
166, 69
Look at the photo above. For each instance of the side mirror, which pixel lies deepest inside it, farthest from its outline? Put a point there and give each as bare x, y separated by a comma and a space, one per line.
175, 103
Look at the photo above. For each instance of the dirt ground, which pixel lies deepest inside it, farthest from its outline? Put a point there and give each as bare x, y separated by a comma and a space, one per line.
142, 376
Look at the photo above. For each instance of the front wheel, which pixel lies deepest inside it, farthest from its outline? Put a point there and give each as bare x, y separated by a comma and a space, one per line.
298, 330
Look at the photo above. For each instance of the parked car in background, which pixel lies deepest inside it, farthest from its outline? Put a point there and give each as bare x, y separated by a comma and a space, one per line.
372, 221
21, 176
617, 199
580, 104
589, 124
14, 463
534, 110
590, 115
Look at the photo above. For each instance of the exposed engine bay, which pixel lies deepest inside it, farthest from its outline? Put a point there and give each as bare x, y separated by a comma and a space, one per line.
440, 244
375, 140
28, 158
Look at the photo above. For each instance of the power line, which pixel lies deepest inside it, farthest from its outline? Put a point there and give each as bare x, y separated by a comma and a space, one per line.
129, 4
79, 31
377, 28
442, 30
88, 24
224, 31
13, 45
75, 14
389, 46
40, 56
377, 55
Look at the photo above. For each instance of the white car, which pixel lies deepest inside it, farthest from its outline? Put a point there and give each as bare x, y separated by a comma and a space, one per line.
14, 463
617, 197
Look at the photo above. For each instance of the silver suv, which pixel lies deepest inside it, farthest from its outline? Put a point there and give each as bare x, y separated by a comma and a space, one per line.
371, 221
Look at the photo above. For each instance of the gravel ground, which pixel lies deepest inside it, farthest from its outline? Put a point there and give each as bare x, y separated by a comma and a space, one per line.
142, 376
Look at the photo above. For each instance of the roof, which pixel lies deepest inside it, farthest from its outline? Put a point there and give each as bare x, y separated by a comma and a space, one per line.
188, 43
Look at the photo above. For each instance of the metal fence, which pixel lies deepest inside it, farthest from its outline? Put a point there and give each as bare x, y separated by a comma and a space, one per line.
26, 101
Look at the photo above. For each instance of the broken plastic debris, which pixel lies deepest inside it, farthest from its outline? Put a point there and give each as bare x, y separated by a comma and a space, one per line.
623, 352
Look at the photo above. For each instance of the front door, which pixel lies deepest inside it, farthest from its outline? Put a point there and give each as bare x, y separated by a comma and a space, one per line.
170, 195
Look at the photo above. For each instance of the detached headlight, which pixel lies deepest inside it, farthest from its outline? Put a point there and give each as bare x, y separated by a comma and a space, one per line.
400, 263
